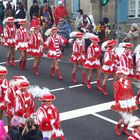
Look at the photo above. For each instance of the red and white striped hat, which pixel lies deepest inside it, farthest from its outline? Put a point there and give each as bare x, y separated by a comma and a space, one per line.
22, 21
47, 97
127, 45
95, 39
3, 70
135, 124
111, 43
9, 20
79, 34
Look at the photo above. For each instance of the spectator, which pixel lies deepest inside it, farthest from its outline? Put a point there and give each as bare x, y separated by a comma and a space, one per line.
34, 9
20, 13
133, 34
9, 11
79, 19
14, 131
46, 8
31, 131
64, 30
3, 134
59, 12
2, 8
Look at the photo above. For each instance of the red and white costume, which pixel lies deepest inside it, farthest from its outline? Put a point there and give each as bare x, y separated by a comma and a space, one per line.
48, 119
78, 53
4, 88
126, 59
35, 48
9, 33
136, 132
134, 136
53, 43
22, 37
93, 57
124, 97
110, 62
10, 101
24, 105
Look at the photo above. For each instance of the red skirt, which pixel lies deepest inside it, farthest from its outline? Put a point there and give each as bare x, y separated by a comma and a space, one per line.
77, 59
92, 64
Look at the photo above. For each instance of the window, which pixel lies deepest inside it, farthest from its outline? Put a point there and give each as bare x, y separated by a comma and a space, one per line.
134, 8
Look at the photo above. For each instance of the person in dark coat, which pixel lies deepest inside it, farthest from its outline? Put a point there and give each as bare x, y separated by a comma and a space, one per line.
14, 131
9, 11
34, 9
31, 131
20, 13
46, 8
2, 9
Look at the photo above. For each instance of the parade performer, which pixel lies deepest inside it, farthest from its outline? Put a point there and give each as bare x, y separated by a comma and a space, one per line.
93, 61
9, 39
6, 96
22, 39
125, 102
53, 43
136, 132
78, 56
24, 105
126, 59
35, 48
48, 118
110, 63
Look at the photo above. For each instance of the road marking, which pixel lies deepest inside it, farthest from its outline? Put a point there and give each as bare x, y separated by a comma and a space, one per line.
85, 111
107, 119
57, 89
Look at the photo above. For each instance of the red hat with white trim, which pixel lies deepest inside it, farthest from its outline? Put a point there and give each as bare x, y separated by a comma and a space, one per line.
47, 97
23, 84
79, 34
22, 21
135, 124
127, 45
3, 70
9, 20
95, 39
111, 43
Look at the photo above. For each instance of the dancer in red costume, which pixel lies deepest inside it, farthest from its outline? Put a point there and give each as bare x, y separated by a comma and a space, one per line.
35, 48
110, 63
78, 57
93, 61
22, 39
53, 43
9, 39
48, 118
125, 102
136, 132
24, 101
127, 59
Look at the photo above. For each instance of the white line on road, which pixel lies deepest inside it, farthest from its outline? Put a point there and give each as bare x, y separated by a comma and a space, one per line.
107, 119
85, 111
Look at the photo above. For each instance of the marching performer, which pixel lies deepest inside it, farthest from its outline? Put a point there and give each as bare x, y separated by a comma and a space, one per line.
78, 57
136, 132
9, 39
93, 61
125, 102
110, 63
24, 105
22, 38
35, 48
6, 103
48, 118
53, 43
127, 59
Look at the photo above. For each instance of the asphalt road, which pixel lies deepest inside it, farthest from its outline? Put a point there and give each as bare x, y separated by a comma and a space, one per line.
85, 114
